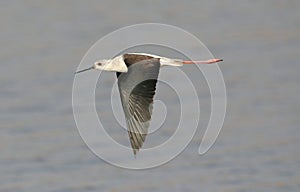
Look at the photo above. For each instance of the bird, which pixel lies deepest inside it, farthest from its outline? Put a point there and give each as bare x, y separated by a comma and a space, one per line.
137, 75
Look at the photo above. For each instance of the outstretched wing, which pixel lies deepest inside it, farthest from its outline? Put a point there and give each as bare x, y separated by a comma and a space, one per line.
137, 88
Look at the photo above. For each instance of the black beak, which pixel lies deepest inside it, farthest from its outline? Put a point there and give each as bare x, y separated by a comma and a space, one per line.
84, 70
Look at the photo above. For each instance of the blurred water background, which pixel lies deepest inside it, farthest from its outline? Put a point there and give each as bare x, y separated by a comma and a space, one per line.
42, 43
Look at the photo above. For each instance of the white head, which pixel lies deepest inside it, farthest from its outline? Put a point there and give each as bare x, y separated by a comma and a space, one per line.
102, 65
115, 65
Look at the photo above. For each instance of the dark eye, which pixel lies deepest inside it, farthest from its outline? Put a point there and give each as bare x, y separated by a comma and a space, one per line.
99, 64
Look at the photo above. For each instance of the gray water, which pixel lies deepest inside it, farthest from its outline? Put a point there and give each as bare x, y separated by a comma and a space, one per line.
43, 42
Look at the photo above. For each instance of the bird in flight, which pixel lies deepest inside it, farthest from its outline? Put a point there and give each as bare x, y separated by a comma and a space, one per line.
137, 75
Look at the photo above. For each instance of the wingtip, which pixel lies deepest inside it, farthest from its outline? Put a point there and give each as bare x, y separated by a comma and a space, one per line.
134, 153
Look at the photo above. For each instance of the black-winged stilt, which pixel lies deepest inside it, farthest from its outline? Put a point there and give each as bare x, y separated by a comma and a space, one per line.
137, 76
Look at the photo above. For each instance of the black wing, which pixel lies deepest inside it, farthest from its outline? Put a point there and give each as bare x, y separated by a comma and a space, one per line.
137, 88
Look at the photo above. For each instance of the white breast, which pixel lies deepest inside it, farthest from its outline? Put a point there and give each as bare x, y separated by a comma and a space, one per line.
118, 64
